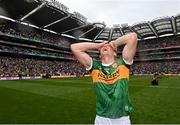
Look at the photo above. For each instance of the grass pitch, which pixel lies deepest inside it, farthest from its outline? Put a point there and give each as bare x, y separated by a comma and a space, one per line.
72, 100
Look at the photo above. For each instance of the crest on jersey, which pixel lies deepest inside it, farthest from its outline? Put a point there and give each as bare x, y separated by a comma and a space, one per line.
114, 65
126, 108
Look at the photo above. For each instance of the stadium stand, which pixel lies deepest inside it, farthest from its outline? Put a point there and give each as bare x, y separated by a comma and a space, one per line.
158, 55
32, 44
20, 30
164, 67
13, 66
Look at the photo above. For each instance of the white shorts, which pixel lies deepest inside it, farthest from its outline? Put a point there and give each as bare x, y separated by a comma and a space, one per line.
125, 120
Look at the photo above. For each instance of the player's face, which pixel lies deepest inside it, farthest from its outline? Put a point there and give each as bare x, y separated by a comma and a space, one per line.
107, 50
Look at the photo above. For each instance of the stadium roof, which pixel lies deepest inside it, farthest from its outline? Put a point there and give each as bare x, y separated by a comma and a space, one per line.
53, 16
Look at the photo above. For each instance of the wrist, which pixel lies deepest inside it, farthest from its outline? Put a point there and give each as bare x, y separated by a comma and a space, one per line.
113, 45
99, 45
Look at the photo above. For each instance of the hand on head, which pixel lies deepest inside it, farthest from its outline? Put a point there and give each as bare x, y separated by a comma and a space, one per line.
105, 43
100, 45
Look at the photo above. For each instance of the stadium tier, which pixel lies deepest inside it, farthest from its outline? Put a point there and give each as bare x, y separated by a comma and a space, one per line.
36, 41
14, 66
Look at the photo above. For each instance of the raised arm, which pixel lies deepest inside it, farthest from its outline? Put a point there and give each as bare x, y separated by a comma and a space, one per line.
129, 50
79, 50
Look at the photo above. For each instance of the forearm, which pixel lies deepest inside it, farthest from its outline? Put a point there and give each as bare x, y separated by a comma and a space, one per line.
84, 46
129, 50
130, 38
79, 51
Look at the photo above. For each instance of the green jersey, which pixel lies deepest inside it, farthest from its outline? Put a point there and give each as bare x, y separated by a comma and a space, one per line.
111, 86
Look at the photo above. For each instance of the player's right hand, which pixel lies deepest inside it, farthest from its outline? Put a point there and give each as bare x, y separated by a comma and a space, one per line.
100, 45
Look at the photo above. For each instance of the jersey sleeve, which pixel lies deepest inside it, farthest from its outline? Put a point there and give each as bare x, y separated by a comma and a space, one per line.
94, 64
122, 61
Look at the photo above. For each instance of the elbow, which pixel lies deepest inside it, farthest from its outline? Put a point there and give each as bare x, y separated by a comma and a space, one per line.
133, 36
73, 47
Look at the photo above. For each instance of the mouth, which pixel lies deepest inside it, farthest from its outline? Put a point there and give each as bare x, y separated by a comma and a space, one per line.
104, 49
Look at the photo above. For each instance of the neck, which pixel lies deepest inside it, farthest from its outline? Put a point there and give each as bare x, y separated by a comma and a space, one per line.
107, 59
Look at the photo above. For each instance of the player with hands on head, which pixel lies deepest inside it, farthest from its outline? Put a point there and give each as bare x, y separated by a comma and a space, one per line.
110, 75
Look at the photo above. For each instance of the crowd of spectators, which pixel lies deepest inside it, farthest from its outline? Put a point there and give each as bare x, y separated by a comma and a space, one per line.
161, 42
20, 30
157, 56
12, 67
157, 43
167, 67
31, 67
20, 50
139, 56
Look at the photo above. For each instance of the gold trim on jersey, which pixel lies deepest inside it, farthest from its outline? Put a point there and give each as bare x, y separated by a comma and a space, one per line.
121, 72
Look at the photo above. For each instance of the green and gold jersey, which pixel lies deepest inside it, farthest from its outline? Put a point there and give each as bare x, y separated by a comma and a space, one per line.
111, 86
